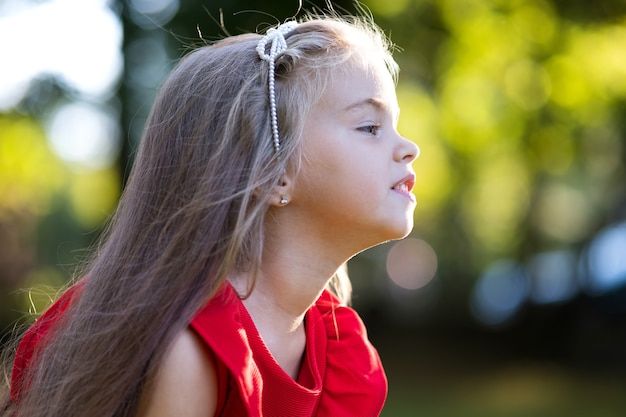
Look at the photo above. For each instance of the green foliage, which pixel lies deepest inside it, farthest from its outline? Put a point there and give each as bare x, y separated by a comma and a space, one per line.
30, 173
39, 191
516, 110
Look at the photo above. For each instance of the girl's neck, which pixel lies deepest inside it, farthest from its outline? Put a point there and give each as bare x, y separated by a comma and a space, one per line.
282, 295
278, 312
292, 276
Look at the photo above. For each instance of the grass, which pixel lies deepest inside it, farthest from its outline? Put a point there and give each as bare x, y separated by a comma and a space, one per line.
435, 378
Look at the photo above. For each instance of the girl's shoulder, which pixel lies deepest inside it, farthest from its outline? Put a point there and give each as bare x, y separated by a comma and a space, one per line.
186, 383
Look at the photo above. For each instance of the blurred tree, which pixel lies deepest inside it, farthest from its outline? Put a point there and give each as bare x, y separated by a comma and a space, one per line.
519, 108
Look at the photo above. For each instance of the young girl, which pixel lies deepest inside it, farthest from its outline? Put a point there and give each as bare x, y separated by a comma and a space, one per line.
267, 162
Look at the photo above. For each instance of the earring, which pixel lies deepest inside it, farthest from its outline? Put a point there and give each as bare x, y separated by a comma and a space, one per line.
283, 200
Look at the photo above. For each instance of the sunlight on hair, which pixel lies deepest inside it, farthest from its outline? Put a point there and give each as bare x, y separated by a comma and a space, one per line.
411, 263
43, 288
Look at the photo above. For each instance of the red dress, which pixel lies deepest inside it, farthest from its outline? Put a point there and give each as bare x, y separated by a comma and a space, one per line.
341, 374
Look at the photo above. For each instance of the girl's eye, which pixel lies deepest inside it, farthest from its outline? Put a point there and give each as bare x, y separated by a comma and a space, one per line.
370, 129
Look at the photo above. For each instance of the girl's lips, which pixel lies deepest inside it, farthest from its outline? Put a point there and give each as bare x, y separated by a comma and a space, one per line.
405, 186
406, 183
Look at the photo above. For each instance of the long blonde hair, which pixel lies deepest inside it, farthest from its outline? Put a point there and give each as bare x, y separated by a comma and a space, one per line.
192, 213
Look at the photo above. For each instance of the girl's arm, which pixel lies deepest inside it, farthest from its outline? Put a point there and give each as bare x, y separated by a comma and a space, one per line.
186, 384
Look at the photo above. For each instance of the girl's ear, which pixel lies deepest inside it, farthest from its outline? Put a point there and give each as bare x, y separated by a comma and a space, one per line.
283, 191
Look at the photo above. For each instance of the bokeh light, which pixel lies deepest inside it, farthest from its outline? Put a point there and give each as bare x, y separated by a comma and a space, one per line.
85, 135
605, 261
411, 263
151, 14
76, 41
553, 277
499, 292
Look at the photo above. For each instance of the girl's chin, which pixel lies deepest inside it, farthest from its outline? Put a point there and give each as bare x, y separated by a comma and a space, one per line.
395, 234
404, 229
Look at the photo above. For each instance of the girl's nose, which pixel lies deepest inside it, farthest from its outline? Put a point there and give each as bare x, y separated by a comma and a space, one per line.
408, 151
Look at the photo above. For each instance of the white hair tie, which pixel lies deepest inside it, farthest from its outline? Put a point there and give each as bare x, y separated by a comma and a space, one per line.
278, 44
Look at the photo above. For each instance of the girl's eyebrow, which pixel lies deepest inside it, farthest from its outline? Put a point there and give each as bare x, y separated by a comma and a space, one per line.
376, 104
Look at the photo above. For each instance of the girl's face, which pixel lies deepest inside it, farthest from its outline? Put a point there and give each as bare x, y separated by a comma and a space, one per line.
356, 178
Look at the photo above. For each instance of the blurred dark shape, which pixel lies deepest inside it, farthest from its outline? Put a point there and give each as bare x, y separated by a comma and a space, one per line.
585, 11
17, 259
43, 91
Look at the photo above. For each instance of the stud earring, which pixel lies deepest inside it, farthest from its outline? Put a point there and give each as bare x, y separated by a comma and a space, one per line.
283, 200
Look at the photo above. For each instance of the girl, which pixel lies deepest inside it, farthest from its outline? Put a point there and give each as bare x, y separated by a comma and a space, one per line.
267, 162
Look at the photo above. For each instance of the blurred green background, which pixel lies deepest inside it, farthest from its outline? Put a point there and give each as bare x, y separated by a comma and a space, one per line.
509, 297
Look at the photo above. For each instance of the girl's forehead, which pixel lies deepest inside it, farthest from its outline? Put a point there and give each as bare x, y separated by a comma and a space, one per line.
367, 68
366, 82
